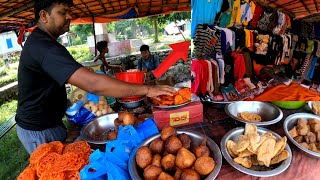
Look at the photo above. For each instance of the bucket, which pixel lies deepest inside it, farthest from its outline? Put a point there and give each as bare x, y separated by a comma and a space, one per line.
132, 77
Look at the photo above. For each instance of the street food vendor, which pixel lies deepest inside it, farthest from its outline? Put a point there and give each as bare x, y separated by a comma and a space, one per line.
44, 69
102, 47
148, 63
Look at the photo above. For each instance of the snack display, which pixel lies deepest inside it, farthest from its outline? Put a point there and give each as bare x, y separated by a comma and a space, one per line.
181, 96
251, 117
57, 161
307, 133
171, 157
99, 108
254, 149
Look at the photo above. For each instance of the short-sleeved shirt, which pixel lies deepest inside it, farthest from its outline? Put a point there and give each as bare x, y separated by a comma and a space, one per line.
151, 64
44, 67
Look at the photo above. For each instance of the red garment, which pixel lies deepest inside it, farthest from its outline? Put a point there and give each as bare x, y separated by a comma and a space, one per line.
256, 16
205, 77
239, 65
196, 71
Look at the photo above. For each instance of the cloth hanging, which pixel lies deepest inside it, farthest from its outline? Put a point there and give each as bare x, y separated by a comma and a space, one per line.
203, 12
204, 41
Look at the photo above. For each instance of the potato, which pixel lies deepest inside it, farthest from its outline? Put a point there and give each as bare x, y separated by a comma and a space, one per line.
100, 107
104, 111
185, 140
165, 176
167, 132
188, 174
129, 119
185, 158
157, 146
112, 135
168, 162
204, 165
156, 160
173, 145
99, 113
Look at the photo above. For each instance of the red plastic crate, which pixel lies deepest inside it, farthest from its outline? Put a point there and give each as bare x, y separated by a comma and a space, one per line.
189, 114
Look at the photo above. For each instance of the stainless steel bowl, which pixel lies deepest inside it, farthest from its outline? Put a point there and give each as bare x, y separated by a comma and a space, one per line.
130, 104
309, 107
271, 171
291, 121
196, 139
269, 113
96, 131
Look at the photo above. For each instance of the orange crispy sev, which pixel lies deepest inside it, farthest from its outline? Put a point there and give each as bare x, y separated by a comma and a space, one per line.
28, 174
72, 175
65, 162
53, 176
45, 163
57, 147
38, 153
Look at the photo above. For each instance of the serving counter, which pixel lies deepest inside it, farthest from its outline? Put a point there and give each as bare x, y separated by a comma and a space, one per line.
217, 123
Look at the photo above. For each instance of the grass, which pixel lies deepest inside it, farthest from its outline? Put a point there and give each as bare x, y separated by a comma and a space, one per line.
8, 74
13, 157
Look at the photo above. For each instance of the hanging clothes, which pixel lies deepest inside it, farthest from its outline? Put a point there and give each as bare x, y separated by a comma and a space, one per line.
256, 16
312, 68
203, 12
235, 17
239, 66
204, 41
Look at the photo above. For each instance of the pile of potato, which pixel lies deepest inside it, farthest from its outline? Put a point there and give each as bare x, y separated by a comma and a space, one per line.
99, 108
307, 134
171, 157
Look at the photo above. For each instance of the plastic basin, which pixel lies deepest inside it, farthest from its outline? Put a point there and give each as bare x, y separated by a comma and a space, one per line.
131, 77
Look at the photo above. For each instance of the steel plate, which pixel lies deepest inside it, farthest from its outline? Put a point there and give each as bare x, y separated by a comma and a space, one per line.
254, 171
196, 139
291, 121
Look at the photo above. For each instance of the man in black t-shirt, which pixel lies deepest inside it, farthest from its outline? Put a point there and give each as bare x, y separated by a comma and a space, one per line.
44, 69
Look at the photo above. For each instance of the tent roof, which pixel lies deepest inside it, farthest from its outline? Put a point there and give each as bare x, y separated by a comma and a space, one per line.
20, 12
296, 8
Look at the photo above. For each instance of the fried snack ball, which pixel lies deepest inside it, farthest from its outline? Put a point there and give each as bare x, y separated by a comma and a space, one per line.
157, 146
173, 145
167, 132
129, 119
204, 165
299, 139
165, 176
168, 162
121, 115
177, 174
165, 153
143, 157
184, 158
202, 150
151, 172
185, 140
112, 135
117, 123
310, 138
189, 174
156, 160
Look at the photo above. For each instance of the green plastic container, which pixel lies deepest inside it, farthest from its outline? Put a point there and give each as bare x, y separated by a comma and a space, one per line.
289, 104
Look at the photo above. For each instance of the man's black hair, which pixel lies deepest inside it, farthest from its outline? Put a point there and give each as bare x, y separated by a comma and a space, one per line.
144, 48
47, 5
101, 45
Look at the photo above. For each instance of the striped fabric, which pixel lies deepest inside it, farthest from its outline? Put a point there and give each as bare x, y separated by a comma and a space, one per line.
204, 41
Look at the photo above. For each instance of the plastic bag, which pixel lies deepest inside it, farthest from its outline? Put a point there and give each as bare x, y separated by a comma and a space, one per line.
77, 114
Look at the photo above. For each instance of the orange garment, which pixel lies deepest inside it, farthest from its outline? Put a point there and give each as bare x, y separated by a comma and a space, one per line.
293, 92
257, 67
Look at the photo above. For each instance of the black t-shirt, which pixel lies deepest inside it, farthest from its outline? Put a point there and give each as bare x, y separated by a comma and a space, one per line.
44, 67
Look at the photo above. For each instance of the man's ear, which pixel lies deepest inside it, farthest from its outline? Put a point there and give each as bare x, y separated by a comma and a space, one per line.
43, 16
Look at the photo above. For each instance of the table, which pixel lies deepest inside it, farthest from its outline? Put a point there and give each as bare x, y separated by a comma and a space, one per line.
217, 123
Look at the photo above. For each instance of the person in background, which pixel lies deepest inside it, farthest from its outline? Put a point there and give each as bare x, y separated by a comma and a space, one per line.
45, 68
102, 47
148, 63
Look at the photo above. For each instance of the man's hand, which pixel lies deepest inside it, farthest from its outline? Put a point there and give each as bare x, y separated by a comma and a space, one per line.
154, 91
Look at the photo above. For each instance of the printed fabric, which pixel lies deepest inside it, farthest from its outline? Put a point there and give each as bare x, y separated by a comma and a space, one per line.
204, 41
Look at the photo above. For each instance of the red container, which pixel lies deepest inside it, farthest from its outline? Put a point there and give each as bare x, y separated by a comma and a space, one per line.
189, 114
132, 77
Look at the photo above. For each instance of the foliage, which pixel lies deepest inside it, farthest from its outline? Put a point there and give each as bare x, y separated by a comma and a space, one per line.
82, 31
13, 156
8, 75
80, 53
111, 27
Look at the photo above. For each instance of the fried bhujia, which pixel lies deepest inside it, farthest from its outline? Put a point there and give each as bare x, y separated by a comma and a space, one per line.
251, 117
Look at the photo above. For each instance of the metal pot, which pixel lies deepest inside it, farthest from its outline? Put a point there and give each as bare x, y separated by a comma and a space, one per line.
130, 104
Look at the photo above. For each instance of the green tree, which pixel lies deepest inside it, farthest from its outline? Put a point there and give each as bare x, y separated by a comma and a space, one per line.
82, 31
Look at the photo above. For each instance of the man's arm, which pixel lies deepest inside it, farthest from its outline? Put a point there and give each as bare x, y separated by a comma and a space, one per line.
106, 86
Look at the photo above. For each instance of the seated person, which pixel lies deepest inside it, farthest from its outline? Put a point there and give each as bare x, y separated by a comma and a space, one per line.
148, 63
102, 47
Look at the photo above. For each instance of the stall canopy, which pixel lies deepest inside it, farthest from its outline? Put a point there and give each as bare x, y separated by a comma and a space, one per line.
15, 13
